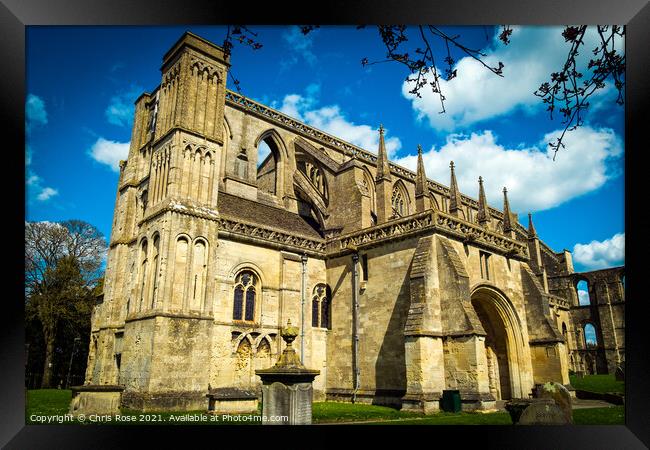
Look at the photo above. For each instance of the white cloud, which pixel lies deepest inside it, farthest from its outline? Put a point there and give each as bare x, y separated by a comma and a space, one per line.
35, 113
477, 94
121, 108
109, 152
583, 297
46, 194
35, 188
601, 254
331, 120
535, 182
33, 180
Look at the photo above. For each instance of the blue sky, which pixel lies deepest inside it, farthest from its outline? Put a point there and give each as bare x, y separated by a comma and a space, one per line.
82, 82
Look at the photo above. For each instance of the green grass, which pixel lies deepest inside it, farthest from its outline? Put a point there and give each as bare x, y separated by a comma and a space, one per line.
47, 402
462, 418
52, 402
347, 412
598, 383
614, 415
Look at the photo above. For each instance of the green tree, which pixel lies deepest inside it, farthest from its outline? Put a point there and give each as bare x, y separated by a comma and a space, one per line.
62, 273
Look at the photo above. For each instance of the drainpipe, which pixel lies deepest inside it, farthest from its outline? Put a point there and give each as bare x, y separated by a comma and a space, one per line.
355, 325
303, 258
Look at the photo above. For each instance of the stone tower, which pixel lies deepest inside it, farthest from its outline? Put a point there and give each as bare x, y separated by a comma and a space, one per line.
158, 269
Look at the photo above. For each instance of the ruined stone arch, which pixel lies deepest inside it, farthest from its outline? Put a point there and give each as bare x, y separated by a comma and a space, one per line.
271, 172
577, 284
492, 305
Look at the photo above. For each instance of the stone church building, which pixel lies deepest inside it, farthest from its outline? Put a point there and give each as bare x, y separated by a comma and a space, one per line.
402, 287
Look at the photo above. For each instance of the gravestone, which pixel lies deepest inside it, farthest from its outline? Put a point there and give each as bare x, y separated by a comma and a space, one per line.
619, 375
287, 387
560, 395
543, 411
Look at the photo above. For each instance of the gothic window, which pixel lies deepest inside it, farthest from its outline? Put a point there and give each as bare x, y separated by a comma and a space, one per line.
246, 287
369, 183
315, 311
590, 336
582, 288
400, 200
320, 311
268, 160
398, 203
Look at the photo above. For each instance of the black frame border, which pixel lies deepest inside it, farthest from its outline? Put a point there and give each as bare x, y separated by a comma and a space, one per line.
15, 15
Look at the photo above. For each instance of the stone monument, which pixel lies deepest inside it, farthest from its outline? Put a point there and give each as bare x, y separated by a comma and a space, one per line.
550, 406
287, 387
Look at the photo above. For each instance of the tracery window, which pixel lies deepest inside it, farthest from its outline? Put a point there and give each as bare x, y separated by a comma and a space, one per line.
246, 286
397, 201
320, 307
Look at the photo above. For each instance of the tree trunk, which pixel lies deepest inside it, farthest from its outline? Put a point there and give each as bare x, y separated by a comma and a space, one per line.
48, 365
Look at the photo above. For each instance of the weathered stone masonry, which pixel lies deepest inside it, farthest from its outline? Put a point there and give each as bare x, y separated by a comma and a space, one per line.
206, 264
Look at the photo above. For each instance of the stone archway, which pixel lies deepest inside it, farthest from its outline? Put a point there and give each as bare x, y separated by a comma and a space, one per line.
503, 342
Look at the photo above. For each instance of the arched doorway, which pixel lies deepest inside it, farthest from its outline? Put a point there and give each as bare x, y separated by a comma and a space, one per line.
503, 342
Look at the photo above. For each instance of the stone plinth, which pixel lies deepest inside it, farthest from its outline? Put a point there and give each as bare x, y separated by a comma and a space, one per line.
96, 399
287, 387
231, 400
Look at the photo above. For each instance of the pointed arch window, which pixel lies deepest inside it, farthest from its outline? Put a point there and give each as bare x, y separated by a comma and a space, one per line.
320, 307
245, 296
399, 201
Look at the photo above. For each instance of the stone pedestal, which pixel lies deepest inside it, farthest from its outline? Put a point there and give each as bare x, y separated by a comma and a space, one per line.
96, 399
287, 387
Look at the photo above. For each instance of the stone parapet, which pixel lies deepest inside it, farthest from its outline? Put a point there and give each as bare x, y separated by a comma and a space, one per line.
428, 221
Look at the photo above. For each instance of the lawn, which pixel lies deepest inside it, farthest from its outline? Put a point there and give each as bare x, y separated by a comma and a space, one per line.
598, 383
51, 402
323, 412
47, 402
614, 415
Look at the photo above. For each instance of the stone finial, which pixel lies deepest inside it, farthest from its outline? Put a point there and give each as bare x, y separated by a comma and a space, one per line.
483, 215
383, 168
532, 233
455, 201
289, 333
421, 176
289, 358
422, 199
507, 225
